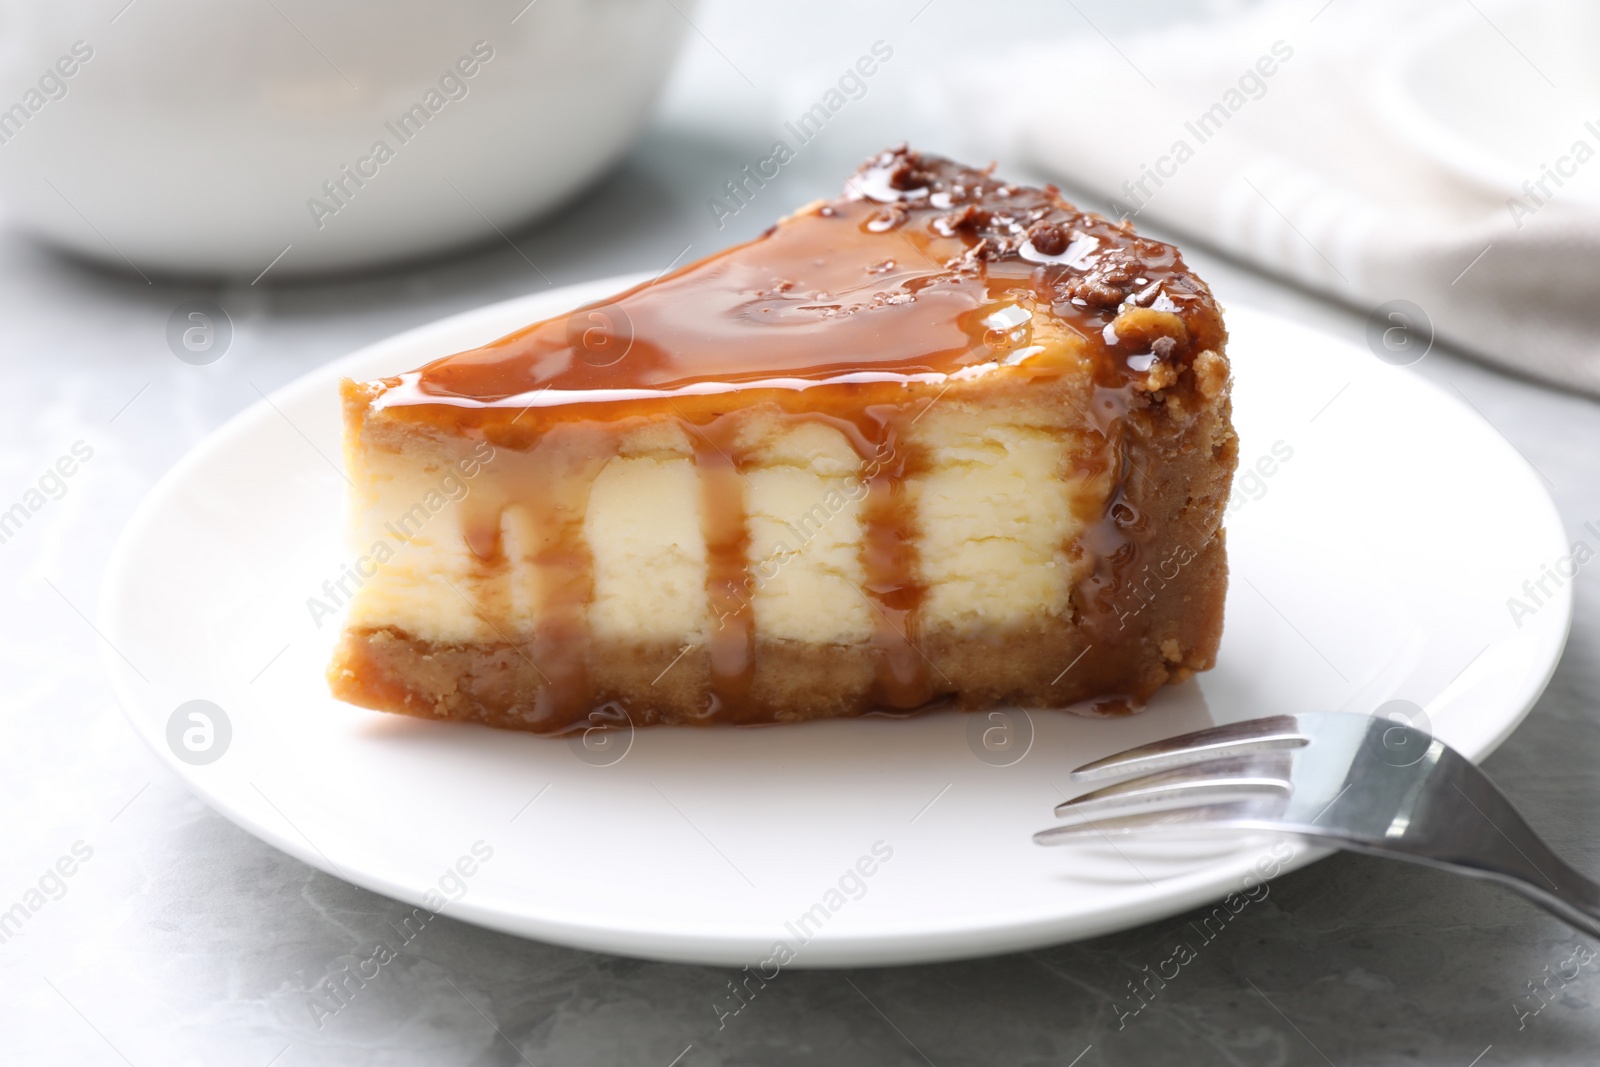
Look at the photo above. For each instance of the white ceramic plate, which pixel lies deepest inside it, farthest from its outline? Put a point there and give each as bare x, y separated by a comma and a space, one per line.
1373, 563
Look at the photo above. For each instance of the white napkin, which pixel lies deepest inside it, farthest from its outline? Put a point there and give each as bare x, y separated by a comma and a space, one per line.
1297, 173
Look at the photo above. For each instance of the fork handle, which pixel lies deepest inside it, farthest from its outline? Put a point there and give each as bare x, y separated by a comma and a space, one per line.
1485, 837
1544, 878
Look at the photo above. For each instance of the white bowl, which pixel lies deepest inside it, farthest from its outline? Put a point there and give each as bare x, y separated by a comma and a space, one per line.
186, 136
1495, 95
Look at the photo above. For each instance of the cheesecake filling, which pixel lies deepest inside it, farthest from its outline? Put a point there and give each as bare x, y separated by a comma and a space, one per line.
827, 548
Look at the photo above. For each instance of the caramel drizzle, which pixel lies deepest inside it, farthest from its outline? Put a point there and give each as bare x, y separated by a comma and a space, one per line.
889, 561
565, 568
551, 485
552, 480
888, 554
891, 575
726, 528
1113, 539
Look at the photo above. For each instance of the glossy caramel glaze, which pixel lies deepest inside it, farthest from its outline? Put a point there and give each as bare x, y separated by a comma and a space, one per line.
899, 279
924, 274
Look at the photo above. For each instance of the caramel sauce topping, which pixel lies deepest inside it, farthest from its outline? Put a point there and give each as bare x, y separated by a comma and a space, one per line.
856, 311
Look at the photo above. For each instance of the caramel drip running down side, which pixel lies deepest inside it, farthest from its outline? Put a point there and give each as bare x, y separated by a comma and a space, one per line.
728, 586
482, 529
550, 483
889, 560
888, 553
566, 577
1112, 538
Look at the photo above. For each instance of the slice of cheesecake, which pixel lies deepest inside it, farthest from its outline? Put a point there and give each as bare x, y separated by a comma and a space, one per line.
943, 438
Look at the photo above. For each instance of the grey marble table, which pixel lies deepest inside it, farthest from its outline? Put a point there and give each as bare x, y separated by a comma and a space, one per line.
180, 939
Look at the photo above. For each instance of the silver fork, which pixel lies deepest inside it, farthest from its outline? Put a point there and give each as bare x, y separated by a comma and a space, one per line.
1354, 782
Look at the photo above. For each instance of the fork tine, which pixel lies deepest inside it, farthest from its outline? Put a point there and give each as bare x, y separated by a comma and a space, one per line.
1254, 735
1230, 818
1210, 782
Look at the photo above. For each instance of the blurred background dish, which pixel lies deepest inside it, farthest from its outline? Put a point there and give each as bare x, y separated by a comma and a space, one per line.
1498, 132
221, 138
